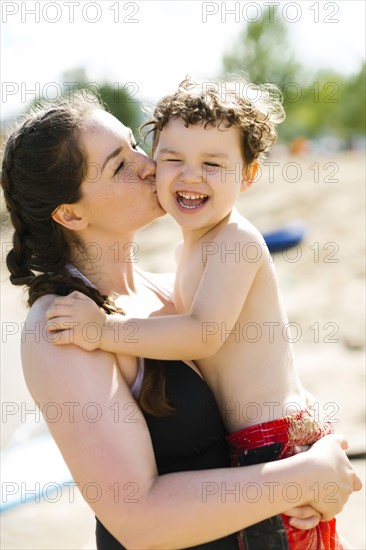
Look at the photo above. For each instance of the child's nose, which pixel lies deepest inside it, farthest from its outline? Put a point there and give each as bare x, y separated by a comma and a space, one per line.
192, 174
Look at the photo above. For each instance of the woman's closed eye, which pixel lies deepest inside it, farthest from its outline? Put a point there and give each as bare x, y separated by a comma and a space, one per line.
120, 165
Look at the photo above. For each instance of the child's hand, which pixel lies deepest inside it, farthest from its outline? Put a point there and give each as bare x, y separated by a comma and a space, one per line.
75, 319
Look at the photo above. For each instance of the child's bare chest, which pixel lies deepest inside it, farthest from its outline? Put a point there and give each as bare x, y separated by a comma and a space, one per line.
190, 269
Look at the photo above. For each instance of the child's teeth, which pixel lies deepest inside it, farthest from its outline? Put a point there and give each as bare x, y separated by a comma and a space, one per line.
189, 196
191, 200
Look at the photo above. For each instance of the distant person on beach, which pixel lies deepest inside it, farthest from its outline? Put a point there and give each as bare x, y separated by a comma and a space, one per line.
154, 462
207, 143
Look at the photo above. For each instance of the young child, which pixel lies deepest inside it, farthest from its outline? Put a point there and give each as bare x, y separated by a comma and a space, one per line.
207, 142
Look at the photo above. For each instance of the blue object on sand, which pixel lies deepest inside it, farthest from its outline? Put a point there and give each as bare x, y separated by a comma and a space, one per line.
285, 237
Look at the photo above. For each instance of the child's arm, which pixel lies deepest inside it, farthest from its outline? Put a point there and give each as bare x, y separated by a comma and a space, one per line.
216, 307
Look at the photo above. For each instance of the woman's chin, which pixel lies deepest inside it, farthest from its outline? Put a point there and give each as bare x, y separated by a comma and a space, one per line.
156, 212
162, 211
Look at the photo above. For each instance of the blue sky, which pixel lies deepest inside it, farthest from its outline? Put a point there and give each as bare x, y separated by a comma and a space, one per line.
153, 45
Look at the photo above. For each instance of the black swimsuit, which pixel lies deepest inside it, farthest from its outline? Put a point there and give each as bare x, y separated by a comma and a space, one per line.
191, 439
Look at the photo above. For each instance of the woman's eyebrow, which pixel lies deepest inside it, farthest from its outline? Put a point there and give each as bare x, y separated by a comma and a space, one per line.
111, 156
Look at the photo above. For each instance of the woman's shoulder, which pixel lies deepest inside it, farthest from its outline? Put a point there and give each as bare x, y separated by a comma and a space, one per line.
34, 337
48, 367
38, 309
37, 350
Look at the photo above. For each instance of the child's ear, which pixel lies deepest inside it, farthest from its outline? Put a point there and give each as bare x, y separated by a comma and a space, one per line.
70, 216
249, 175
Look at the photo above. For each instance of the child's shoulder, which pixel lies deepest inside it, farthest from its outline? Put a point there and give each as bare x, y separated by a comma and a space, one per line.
241, 230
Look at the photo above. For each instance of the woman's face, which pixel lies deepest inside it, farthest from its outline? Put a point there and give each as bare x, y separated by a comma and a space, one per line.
118, 193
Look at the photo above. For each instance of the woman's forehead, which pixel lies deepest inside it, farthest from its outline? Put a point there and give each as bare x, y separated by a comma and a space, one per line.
99, 120
101, 132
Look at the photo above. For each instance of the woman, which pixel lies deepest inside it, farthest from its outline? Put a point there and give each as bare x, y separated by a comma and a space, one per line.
156, 475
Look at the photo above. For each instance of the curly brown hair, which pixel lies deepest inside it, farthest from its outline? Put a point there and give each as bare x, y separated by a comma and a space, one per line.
254, 109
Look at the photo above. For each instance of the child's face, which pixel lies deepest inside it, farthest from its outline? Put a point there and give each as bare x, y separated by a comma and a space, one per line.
199, 172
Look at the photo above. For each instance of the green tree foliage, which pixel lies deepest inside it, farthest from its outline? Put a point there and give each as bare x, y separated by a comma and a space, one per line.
120, 99
122, 103
323, 104
331, 105
315, 108
353, 102
262, 51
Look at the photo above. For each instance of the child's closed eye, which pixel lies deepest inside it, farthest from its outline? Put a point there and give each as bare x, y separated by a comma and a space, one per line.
217, 164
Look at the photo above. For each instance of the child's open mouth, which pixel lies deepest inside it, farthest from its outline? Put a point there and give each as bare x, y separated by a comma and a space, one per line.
190, 200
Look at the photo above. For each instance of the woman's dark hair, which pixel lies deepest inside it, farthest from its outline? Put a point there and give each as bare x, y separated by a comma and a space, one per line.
43, 167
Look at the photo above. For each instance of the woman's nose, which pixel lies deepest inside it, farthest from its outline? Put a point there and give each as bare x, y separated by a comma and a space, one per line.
147, 167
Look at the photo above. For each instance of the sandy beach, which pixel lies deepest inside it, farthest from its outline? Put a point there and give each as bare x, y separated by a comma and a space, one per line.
322, 282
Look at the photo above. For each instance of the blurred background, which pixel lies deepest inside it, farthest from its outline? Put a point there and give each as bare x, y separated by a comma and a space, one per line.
132, 53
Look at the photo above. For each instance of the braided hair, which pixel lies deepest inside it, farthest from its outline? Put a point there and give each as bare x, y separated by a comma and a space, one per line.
43, 167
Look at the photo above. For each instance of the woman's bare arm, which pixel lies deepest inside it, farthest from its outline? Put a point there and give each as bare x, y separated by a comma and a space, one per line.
104, 439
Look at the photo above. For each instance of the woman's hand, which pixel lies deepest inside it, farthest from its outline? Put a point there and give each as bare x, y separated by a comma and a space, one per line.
336, 478
75, 319
303, 517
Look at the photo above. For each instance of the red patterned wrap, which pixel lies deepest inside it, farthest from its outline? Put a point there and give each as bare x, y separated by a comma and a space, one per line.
274, 440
